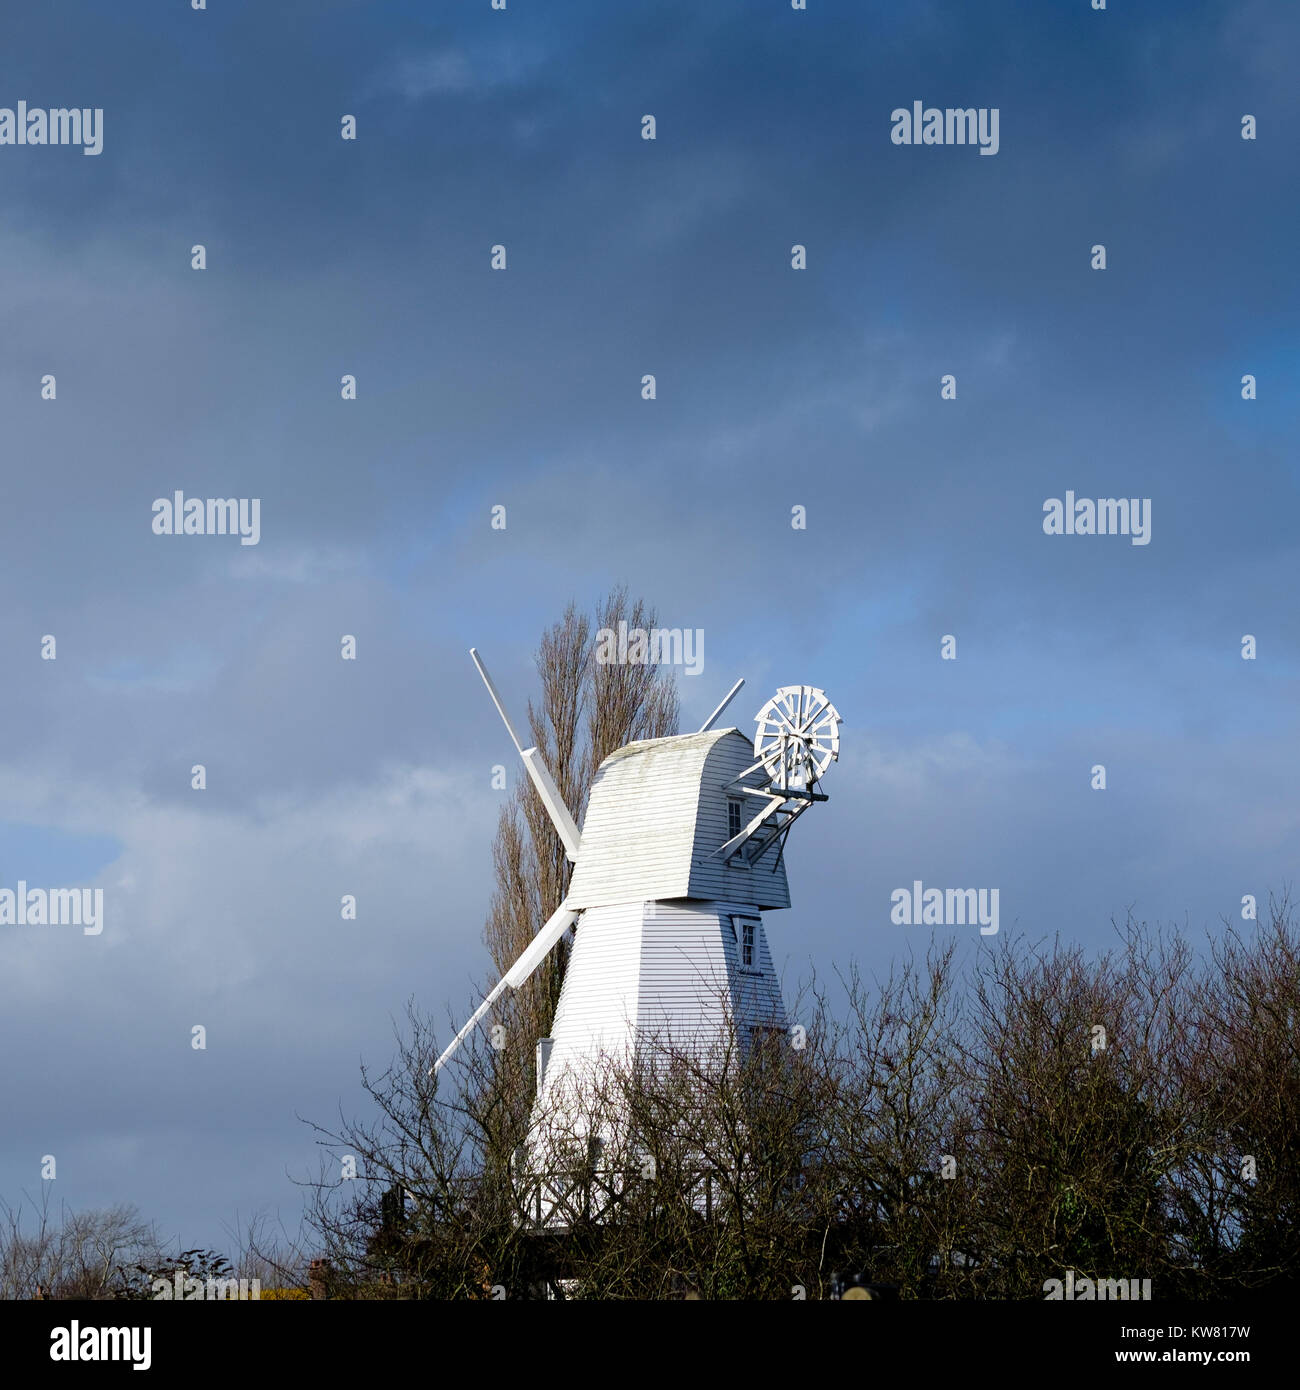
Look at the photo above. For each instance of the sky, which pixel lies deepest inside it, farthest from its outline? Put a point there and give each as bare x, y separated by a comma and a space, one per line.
775, 388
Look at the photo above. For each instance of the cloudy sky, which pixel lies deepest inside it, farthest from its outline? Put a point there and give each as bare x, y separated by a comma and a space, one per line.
776, 388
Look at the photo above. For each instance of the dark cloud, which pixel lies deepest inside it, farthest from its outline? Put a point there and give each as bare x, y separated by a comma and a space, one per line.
475, 388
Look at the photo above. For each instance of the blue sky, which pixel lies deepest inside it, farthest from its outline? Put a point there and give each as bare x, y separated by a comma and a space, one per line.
775, 388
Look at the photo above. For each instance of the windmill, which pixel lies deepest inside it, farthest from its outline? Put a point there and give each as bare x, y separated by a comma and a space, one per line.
681, 851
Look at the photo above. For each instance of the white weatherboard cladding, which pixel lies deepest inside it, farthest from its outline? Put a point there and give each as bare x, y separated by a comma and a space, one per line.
598, 1000
693, 985
660, 972
762, 884
640, 975
656, 814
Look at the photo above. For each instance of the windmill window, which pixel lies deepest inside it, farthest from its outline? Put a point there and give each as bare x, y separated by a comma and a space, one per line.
744, 932
733, 818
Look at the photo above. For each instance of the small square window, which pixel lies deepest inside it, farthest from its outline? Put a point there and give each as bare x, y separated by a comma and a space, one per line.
733, 819
745, 934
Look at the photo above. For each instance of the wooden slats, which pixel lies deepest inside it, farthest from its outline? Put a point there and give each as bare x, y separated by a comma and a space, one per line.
657, 813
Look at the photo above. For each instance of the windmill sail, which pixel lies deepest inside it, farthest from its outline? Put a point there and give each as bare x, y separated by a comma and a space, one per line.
534, 954
538, 772
565, 826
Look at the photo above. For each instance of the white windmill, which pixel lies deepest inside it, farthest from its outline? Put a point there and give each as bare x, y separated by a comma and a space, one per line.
681, 850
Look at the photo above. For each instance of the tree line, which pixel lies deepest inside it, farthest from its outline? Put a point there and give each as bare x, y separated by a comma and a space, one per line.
950, 1133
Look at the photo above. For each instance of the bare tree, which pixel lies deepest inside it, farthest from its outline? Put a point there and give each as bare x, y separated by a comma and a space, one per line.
1238, 1201
1075, 1135
86, 1254
895, 1116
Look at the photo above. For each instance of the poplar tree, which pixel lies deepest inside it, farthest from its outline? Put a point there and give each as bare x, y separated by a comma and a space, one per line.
585, 710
